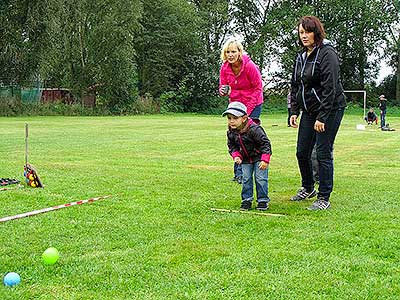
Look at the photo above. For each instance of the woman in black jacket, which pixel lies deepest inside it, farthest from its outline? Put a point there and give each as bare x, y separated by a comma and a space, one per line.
316, 92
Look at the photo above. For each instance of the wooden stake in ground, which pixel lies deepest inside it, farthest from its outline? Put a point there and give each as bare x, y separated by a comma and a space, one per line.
30, 172
247, 212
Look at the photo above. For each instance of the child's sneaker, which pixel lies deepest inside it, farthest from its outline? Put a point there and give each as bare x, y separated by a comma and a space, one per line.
262, 205
246, 205
303, 194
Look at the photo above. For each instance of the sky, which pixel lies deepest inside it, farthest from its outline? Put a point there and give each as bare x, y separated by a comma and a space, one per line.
383, 72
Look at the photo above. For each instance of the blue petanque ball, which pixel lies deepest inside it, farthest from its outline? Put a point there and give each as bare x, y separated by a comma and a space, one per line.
11, 279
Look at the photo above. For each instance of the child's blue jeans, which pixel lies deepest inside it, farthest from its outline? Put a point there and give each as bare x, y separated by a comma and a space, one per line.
261, 179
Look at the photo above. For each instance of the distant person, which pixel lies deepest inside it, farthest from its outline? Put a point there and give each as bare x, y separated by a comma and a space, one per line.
382, 107
249, 147
317, 92
371, 117
240, 79
288, 108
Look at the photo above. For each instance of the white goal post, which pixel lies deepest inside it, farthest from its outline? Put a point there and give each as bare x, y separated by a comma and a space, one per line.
364, 95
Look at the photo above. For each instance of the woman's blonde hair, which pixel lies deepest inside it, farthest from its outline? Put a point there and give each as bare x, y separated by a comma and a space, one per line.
230, 41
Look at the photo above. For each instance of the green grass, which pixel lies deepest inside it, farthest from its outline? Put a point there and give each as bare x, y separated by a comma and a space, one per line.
156, 237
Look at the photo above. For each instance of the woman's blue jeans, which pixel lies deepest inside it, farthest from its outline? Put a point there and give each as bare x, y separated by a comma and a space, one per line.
255, 115
261, 180
306, 139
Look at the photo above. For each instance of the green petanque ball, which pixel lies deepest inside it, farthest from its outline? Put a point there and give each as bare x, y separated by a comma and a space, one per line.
50, 256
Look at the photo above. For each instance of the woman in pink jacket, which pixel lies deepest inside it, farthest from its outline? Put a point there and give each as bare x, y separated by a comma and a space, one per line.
240, 79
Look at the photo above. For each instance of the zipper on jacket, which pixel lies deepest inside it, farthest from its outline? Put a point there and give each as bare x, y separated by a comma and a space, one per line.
314, 62
302, 94
315, 93
243, 147
312, 73
301, 79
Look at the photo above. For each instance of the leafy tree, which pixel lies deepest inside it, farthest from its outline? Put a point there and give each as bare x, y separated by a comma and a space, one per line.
23, 31
279, 32
165, 44
356, 31
388, 88
178, 51
170, 49
250, 17
81, 44
96, 48
391, 10
215, 18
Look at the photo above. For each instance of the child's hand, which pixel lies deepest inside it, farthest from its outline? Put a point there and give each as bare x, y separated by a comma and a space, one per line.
237, 160
263, 165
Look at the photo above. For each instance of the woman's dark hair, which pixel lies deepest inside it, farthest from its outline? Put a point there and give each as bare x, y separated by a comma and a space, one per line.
312, 24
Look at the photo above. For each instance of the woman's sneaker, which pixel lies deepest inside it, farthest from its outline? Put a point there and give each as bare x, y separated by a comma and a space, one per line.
262, 205
320, 204
303, 194
246, 205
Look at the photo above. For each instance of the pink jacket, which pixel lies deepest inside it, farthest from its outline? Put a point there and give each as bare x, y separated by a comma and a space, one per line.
247, 86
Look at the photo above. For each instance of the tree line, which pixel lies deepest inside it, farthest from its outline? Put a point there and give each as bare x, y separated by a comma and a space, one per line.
167, 52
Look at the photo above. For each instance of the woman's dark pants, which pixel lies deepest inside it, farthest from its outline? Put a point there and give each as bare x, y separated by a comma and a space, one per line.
306, 139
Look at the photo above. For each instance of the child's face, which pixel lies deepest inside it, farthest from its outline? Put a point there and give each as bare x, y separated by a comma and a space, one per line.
235, 122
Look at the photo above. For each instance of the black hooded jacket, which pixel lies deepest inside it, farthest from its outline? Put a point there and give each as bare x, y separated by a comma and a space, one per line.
251, 143
315, 85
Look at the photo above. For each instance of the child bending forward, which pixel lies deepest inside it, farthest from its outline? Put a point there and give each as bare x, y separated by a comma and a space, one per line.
249, 146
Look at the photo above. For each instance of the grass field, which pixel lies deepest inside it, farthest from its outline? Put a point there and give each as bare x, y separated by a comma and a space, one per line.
156, 237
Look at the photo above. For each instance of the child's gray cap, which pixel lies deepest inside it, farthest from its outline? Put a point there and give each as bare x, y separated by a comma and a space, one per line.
236, 108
